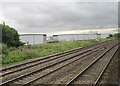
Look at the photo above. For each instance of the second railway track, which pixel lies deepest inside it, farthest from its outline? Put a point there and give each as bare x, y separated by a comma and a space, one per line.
92, 73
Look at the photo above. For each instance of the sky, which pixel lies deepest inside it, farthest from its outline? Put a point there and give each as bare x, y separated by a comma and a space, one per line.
54, 17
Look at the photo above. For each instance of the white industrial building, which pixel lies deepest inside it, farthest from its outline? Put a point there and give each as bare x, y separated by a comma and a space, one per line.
42, 38
69, 37
33, 38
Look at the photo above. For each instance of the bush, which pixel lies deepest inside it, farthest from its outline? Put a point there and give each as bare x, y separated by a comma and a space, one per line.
117, 35
110, 35
4, 49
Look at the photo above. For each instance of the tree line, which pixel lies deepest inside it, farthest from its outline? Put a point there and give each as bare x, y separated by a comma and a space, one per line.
117, 35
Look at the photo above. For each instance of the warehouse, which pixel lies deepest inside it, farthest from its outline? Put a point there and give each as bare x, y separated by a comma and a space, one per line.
31, 39
69, 37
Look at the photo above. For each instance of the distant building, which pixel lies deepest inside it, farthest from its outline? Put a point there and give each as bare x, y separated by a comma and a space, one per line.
43, 38
71, 37
55, 37
33, 38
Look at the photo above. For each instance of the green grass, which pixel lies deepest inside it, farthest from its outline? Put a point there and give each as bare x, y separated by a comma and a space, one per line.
0, 48
28, 52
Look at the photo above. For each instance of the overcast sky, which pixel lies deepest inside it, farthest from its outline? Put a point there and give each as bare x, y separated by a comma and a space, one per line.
45, 17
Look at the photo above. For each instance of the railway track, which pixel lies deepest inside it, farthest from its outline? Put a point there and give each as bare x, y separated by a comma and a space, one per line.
89, 51
24, 66
90, 75
110, 75
66, 74
22, 79
113, 79
13, 72
47, 57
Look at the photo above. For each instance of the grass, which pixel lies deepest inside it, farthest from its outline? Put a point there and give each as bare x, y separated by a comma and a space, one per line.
0, 48
29, 52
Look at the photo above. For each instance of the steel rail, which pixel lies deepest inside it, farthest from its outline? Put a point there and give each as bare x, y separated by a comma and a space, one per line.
9, 72
27, 74
47, 57
86, 68
28, 83
98, 78
65, 54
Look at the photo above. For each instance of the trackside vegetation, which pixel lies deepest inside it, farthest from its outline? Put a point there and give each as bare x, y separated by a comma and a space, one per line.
14, 55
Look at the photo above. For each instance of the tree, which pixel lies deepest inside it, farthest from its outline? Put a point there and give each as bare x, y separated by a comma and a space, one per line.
117, 35
110, 35
10, 36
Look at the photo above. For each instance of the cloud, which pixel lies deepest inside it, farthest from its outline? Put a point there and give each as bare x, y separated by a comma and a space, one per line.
44, 17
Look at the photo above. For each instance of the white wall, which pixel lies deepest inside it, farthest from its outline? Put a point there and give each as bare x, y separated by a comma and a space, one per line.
68, 37
32, 39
